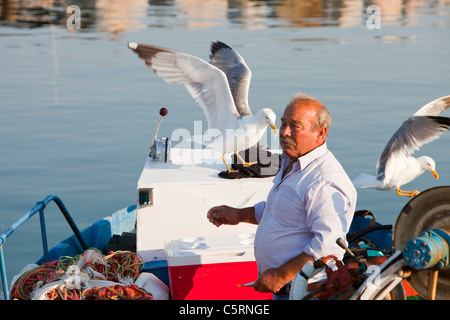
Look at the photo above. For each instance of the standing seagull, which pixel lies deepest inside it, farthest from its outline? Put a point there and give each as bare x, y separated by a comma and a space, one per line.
222, 94
396, 166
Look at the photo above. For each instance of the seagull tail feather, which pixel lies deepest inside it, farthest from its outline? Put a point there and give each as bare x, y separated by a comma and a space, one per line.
364, 180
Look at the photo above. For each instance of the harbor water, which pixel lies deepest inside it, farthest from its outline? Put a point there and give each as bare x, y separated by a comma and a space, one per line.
78, 108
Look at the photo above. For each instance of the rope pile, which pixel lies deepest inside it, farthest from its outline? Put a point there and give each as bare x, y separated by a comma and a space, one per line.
64, 294
38, 276
90, 275
116, 266
117, 292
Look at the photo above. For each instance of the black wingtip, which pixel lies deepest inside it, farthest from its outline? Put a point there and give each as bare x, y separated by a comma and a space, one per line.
218, 45
443, 121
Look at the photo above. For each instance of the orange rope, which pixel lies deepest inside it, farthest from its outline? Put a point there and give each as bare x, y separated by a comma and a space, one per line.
117, 292
117, 265
26, 283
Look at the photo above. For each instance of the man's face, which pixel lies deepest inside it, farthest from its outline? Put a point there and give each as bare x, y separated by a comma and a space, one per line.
298, 132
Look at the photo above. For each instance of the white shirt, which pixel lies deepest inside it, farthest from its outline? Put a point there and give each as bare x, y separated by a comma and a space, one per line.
306, 211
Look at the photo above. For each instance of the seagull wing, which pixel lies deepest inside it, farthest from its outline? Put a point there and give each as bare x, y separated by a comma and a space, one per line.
435, 107
237, 72
206, 83
423, 127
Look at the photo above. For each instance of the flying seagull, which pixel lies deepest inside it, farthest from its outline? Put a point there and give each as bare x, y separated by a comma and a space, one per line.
396, 166
221, 90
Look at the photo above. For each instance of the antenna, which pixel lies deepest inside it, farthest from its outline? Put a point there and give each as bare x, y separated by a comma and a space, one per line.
163, 112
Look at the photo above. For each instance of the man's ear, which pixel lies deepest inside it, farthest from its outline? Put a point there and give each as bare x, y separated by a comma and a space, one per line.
322, 134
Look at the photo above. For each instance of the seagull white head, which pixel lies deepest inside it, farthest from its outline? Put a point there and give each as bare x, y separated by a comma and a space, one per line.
428, 163
266, 116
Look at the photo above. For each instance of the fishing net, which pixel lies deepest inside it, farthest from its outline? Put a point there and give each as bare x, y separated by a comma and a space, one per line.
90, 275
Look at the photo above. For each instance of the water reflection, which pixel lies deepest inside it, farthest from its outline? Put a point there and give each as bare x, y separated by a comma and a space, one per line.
116, 16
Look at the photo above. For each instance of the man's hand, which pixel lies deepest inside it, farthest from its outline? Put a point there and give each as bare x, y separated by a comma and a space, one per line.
223, 215
228, 215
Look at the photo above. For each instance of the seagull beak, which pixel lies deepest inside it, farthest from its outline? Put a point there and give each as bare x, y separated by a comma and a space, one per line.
435, 174
274, 128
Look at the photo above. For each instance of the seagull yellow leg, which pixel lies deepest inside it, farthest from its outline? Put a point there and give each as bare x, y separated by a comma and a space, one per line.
245, 163
414, 193
410, 194
228, 168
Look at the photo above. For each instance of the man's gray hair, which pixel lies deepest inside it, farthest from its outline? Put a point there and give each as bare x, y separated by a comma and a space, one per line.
323, 115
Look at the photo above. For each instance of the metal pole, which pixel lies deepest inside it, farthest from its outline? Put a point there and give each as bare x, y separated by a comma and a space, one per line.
38, 208
3, 273
71, 222
3, 238
432, 284
43, 234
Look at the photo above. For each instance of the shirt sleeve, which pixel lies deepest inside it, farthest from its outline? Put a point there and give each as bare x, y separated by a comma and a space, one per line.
328, 219
259, 209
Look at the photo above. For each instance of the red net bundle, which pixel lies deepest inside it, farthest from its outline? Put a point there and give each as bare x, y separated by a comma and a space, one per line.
64, 294
36, 277
116, 266
117, 292
120, 267
123, 264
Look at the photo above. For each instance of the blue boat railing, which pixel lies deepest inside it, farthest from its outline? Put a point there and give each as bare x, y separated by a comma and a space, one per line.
40, 206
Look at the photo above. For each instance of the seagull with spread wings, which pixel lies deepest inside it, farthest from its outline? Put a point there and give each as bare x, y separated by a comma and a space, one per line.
396, 167
220, 88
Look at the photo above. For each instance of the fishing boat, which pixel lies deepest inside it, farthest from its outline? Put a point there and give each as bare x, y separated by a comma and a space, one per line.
184, 257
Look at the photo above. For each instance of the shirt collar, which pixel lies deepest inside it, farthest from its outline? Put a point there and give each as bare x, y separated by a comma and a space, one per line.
306, 159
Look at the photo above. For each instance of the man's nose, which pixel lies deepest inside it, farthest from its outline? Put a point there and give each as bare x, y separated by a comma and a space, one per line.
285, 131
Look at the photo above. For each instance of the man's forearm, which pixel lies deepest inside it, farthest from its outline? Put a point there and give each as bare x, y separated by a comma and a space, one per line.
274, 279
289, 269
248, 215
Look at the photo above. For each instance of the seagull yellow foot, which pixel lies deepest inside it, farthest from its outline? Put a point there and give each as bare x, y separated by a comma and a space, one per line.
228, 168
245, 163
407, 193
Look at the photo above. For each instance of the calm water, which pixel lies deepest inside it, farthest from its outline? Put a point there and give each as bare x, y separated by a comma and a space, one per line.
78, 108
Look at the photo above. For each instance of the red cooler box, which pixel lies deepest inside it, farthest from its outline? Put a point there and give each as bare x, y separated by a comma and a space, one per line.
212, 268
